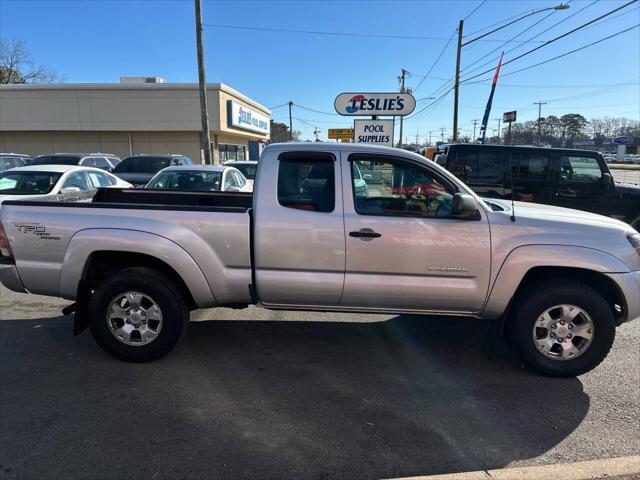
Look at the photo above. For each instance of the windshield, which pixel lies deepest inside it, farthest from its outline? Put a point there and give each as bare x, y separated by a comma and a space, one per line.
27, 183
142, 165
181, 180
56, 160
248, 170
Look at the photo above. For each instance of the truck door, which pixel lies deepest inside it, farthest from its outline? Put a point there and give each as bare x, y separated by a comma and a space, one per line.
299, 250
405, 251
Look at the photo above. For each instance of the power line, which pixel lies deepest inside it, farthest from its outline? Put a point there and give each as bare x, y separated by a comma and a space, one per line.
572, 51
472, 34
554, 39
317, 111
475, 9
278, 106
492, 60
436, 60
337, 34
508, 41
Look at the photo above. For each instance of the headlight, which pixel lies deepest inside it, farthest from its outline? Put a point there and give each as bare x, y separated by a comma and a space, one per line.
634, 240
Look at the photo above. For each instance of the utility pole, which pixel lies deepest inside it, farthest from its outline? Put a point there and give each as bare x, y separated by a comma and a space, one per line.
475, 122
499, 120
457, 82
403, 72
539, 103
430, 132
442, 129
290, 122
205, 140
417, 134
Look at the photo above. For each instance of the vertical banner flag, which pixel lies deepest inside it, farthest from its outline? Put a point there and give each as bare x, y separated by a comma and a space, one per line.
487, 111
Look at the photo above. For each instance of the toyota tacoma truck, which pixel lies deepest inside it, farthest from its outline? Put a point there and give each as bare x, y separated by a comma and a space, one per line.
330, 227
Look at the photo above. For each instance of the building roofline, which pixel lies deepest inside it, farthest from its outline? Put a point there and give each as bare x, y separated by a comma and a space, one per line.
134, 86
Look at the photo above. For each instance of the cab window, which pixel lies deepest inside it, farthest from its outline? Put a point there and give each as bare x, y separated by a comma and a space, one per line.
400, 189
307, 181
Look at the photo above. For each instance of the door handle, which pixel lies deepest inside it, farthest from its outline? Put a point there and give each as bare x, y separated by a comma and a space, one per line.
365, 233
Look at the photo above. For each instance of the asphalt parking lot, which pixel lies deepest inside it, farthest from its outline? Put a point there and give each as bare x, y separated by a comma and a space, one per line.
280, 398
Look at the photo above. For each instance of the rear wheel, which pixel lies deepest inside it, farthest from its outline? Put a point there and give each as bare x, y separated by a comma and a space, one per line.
562, 328
137, 315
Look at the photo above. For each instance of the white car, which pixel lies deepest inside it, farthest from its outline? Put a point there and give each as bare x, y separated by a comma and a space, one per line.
57, 183
247, 167
202, 178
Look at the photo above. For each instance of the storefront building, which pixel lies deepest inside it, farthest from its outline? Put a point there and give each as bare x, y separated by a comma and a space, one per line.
130, 118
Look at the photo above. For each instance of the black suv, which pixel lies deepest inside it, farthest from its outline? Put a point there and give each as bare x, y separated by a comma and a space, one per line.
577, 179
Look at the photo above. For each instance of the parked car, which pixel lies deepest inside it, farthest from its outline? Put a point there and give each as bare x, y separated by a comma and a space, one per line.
59, 183
201, 178
12, 160
248, 168
577, 179
139, 169
103, 161
560, 280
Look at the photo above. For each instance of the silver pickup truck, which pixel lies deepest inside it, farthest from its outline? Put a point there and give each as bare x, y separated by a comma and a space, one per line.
330, 227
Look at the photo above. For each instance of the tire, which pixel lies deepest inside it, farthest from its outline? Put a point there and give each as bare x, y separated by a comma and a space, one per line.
529, 311
165, 324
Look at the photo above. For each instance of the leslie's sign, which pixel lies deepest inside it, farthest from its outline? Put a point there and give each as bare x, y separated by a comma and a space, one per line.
397, 104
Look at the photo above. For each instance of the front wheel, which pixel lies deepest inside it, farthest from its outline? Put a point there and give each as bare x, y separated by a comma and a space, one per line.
137, 315
562, 328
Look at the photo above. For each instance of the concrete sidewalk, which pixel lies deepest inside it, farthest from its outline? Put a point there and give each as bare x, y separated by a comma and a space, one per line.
623, 468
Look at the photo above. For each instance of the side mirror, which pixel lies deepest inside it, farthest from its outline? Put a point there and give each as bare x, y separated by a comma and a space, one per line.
233, 189
607, 180
67, 190
465, 207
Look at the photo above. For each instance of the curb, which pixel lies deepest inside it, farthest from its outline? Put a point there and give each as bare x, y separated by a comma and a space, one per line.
623, 468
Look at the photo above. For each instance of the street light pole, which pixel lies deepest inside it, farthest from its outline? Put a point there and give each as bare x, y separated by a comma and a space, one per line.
456, 85
456, 91
205, 140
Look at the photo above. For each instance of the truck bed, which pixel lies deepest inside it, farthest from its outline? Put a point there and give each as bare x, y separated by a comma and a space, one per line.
203, 236
167, 197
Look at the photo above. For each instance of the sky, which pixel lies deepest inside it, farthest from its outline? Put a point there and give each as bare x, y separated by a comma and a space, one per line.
101, 40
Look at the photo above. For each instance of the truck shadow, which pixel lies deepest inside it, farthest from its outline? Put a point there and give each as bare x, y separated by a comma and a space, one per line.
275, 399
409, 396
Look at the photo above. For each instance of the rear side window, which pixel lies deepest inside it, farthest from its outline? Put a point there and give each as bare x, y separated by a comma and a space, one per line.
307, 181
478, 166
530, 165
580, 169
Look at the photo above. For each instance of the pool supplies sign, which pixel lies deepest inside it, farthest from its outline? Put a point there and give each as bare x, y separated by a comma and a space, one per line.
370, 104
376, 132
239, 116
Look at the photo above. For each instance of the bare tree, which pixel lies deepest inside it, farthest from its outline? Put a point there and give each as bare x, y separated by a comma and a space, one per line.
16, 65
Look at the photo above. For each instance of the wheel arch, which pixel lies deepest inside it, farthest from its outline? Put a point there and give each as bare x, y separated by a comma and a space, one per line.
600, 282
532, 263
94, 254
